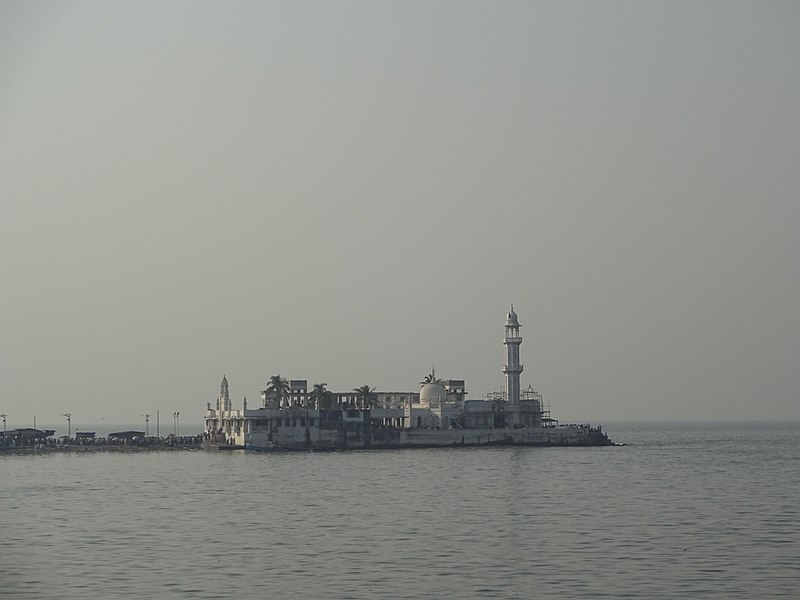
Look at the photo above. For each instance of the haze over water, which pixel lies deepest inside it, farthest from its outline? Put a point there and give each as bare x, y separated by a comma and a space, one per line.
690, 510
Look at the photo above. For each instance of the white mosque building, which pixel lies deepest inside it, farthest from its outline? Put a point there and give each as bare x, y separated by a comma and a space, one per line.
439, 414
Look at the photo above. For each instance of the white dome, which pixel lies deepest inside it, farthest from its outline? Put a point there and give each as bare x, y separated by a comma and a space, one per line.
431, 393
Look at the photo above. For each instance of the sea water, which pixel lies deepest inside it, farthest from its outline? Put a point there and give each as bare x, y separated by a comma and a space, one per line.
688, 510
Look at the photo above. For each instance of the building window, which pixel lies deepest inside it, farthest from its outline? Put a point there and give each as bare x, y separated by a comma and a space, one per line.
302, 422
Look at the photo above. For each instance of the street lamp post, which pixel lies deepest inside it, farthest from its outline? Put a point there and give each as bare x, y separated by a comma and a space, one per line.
4, 415
178, 423
69, 424
147, 425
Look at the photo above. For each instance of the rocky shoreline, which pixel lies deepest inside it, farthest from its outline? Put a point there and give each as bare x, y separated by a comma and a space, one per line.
126, 444
75, 449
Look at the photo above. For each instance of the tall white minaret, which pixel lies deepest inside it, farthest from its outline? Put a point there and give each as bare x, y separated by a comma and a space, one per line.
512, 368
224, 400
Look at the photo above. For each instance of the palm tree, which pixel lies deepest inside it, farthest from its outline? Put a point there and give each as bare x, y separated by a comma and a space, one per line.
367, 396
315, 396
279, 387
430, 378
321, 397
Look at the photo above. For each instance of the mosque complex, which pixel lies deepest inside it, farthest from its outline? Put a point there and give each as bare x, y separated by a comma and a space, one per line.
292, 416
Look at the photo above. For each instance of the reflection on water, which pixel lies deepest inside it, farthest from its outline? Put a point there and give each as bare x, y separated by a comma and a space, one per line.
683, 510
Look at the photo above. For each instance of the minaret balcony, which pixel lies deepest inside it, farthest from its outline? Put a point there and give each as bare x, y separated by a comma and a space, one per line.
512, 340
512, 368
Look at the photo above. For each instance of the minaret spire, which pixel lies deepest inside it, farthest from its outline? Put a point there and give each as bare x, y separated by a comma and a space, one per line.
224, 399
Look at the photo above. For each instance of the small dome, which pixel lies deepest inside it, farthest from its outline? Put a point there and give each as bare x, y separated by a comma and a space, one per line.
511, 317
431, 393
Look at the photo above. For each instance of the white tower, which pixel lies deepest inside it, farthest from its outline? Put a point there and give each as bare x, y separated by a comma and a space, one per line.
224, 399
512, 368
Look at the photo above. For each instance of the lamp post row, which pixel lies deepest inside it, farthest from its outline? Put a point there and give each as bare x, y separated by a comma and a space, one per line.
176, 423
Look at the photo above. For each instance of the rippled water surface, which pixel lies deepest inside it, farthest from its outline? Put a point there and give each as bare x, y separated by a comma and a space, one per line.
682, 510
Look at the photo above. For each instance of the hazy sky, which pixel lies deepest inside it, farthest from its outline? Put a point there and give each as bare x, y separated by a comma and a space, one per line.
351, 192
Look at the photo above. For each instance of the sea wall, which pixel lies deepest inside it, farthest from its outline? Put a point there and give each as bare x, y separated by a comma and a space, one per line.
342, 438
